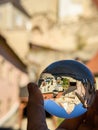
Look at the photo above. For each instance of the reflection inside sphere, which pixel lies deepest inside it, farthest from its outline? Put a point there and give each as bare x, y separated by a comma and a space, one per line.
68, 88
65, 91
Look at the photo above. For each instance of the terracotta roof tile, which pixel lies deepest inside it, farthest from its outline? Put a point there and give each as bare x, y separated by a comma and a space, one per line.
95, 2
93, 64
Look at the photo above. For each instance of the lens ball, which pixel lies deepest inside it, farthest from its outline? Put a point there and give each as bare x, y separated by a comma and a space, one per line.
68, 88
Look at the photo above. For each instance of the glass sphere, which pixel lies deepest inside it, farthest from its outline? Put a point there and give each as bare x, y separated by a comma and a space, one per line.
68, 88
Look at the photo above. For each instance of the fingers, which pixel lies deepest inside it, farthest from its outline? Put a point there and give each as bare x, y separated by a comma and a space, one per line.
95, 104
91, 117
85, 127
37, 119
71, 124
35, 109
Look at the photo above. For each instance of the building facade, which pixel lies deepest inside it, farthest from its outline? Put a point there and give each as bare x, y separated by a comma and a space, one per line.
13, 15
12, 73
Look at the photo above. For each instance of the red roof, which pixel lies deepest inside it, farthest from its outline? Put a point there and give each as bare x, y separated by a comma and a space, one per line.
93, 64
95, 2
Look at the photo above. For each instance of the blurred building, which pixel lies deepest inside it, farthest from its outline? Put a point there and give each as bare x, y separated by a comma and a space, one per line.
60, 10
14, 25
13, 74
38, 32
93, 66
71, 31
63, 25
13, 15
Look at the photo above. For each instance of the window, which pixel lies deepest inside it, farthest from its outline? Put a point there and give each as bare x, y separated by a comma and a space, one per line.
18, 20
69, 8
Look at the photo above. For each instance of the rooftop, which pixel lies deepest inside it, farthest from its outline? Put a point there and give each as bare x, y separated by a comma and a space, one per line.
93, 64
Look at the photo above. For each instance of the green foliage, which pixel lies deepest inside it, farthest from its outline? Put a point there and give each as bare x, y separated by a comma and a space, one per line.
65, 83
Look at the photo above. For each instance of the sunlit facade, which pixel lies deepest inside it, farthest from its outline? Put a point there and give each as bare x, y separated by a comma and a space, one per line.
13, 18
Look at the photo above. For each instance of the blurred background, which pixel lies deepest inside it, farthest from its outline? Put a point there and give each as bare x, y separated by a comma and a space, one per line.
33, 34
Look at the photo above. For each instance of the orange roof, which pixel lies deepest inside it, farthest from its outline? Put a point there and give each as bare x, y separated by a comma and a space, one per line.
95, 2
93, 64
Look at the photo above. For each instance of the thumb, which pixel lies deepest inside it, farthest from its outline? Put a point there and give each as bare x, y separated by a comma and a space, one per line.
35, 95
36, 119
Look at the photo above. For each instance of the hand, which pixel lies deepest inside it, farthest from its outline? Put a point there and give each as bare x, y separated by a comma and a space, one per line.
37, 120
35, 110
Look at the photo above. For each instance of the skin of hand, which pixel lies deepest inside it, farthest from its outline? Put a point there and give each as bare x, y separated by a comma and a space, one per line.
35, 109
36, 119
